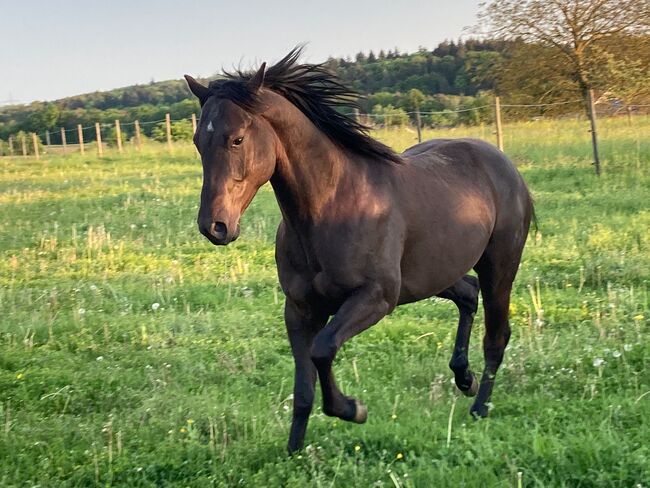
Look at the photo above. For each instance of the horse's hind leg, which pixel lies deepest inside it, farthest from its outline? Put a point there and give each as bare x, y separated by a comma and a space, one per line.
496, 271
464, 294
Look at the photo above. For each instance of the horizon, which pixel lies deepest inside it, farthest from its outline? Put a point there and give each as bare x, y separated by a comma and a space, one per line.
166, 57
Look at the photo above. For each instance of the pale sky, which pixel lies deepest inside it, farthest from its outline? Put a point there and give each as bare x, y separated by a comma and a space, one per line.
55, 49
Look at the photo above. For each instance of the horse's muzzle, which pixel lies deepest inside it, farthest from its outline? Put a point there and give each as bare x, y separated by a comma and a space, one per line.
217, 233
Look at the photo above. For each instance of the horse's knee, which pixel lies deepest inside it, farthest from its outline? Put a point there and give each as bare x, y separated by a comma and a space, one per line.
302, 408
323, 350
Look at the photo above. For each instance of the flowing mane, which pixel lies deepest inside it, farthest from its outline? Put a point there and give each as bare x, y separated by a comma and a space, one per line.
318, 94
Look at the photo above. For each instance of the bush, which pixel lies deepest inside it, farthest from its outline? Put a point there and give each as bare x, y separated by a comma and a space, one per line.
181, 131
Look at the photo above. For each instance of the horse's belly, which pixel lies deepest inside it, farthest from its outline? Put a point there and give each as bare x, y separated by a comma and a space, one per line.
426, 272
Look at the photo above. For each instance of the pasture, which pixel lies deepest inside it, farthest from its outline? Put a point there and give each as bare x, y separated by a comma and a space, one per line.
135, 353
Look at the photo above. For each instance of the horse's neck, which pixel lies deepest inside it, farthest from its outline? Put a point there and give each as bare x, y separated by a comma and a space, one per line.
309, 169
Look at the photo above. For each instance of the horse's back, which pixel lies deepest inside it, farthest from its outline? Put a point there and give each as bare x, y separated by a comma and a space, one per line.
509, 188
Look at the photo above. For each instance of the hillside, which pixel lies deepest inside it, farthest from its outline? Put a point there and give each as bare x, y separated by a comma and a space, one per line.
449, 69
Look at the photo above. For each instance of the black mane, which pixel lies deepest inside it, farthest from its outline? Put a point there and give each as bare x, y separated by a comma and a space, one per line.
318, 94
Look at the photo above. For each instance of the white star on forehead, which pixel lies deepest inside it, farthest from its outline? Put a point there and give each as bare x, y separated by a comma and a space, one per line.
210, 128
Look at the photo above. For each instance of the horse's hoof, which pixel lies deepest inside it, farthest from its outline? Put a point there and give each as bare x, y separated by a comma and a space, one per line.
360, 413
473, 389
479, 411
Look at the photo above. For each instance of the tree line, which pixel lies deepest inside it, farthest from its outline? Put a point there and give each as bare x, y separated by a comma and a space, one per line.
448, 80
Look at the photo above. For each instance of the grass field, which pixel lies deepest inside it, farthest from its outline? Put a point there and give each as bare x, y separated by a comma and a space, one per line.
134, 353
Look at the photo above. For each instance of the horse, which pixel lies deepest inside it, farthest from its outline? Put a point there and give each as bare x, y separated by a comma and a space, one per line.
363, 229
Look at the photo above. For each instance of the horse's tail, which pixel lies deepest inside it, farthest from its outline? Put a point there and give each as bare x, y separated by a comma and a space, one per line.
533, 214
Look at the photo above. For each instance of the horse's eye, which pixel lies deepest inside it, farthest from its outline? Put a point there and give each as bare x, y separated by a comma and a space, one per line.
238, 141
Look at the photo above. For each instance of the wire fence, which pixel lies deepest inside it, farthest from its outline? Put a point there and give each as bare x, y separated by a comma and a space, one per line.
100, 135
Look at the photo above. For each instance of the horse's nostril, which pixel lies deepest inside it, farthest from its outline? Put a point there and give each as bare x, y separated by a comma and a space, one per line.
219, 230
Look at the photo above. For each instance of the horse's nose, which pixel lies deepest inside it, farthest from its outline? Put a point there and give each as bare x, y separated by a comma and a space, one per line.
219, 231
216, 232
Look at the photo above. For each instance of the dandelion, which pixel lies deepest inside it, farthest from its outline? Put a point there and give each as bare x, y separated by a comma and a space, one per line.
357, 448
393, 416
616, 354
20, 376
399, 456
627, 347
82, 311
183, 430
190, 421
598, 362
99, 358
155, 306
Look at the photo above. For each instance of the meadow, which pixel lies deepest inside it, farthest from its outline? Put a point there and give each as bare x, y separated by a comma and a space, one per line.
134, 353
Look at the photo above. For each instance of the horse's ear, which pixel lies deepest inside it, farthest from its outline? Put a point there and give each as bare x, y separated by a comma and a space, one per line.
256, 82
200, 91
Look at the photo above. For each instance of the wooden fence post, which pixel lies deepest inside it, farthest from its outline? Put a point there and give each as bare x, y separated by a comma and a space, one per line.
418, 122
80, 134
138, 140
594, 136
194, 130
98, 135
35, 143
23, 144
168, 127
118, 136
11, 145
497, 121
64, 142
47, 138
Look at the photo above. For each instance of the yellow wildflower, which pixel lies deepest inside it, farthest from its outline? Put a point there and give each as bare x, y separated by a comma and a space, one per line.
357, 448
399, 456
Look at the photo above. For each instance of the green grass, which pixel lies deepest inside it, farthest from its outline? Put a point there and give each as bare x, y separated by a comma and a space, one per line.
134, 353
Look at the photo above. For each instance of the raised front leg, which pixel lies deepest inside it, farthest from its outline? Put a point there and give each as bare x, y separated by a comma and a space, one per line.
302, 326
361, 310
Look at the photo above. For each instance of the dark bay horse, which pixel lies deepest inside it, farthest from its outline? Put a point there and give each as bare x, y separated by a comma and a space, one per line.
363, 229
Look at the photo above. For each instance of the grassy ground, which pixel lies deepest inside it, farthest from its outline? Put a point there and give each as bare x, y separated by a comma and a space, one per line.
134, 353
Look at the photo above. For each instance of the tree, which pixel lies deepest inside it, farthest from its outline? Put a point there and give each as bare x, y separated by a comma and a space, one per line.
574, 29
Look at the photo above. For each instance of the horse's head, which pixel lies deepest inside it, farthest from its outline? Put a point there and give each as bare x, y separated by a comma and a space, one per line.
238, 153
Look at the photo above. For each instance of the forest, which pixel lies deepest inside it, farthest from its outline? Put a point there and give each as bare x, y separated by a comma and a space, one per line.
441, 83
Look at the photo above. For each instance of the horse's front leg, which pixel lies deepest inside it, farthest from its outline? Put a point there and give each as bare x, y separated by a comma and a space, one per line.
302, 325
361, 310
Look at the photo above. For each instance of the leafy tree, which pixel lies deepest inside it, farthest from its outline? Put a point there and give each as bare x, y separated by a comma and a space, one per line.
574, 30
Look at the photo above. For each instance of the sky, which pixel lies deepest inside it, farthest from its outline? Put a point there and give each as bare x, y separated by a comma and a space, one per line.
53, 49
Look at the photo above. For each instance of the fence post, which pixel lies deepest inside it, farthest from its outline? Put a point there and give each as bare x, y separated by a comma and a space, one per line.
118, 136
418, 123
168, 127
98, 134
23, 144
64, 143
80, 134
137, 134
11, 145
35, 143
497, 121
47, 138
594, 136
194, 130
